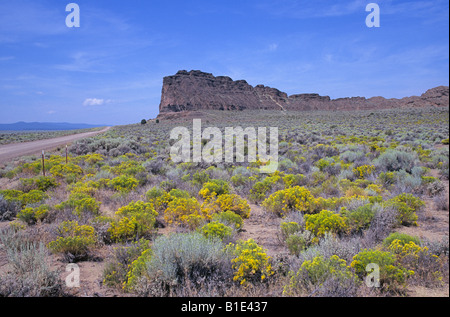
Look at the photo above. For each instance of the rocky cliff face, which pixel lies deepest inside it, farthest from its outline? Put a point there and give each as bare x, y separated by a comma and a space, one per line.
196, 91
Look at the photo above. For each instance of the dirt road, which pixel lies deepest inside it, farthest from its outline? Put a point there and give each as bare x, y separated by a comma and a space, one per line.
11, 151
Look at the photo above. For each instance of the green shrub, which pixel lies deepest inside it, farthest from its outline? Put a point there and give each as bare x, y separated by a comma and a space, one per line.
359, 219
392, 276
32, 215
80, 204
137, 269
18, 197
123, 184
74, 241
289, 228
402, 237
406, 206
325, 222
227, 202
299, 242
42, 183
292, 199
180, 211
216, 230
314, 273
70, 172
229, 218
159, 198
250, 262
260, 189
215, 187
136, 220
117, 271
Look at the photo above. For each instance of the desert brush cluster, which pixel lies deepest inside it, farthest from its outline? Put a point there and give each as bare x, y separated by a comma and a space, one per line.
350, 189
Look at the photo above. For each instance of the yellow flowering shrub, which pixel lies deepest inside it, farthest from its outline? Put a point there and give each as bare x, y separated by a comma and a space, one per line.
80, 203
123, 184
364, 170
226, 202
250, 262
70, 172
159, 198
214, 187
137, 270
129, 168
292, 199
325, 222
32, 215
291, 180
392, 275
74, 240
216, 230
136, 220
406, 206
260, 189
179, 210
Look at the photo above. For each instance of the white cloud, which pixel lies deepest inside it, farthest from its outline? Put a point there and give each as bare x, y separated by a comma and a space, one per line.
96, 102
93, 102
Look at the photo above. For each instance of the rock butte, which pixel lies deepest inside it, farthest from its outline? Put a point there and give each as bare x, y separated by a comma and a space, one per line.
195, 91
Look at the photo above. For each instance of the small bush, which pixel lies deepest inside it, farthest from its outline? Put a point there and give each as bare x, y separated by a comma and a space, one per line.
80, 204
325, 222
180, 209
181, 259
392, 276
70, 172
227, 202
31, 275
359, 219
32, 215
75, 241
136, 220
159, 198
42, 183
441, 202
403, 238
229, 218
250, 262
8, 209
406, 206
216, 230
123, 184
314, 273
117, 271
299, 242
292, 199
394, 160
215, 187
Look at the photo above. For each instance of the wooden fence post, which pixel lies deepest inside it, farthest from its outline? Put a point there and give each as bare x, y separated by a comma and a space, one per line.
43, 162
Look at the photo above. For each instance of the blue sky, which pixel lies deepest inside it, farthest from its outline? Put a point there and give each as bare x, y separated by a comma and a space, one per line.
110, 70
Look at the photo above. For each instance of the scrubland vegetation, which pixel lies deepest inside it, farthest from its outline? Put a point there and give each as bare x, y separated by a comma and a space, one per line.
7, 137
348, 186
